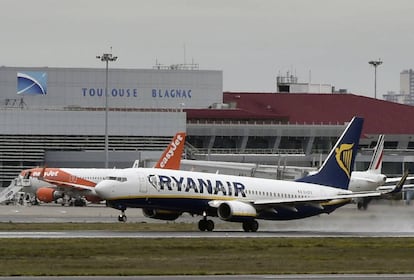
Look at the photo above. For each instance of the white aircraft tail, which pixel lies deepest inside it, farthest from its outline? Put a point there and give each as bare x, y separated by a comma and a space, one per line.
136, 164
376, 161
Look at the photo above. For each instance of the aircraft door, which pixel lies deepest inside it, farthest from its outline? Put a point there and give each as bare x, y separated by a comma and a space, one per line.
142, 185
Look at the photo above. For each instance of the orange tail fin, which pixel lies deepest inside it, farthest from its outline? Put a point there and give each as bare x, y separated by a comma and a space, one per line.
42, 172
171, 157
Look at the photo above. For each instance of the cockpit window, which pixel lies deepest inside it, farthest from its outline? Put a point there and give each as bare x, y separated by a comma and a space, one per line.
119, 179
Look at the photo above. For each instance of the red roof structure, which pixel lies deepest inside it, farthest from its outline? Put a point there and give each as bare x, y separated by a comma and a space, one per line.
306, 108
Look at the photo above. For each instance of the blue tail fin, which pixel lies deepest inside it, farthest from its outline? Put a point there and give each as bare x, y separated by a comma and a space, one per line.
336, 169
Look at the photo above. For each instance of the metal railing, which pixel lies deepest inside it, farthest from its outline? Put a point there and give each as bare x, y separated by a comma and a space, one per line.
251, 151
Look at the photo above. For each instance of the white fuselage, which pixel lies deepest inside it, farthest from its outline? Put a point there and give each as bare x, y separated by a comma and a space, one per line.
369, 180
190, 191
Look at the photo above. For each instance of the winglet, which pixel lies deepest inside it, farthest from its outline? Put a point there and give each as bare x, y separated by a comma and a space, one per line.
171, 157
337, 167
399, 186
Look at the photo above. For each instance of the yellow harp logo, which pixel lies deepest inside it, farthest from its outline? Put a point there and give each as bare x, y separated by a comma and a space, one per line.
344, 157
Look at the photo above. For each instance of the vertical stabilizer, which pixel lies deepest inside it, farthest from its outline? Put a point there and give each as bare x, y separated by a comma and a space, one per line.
376, 161
171, 157
337, 167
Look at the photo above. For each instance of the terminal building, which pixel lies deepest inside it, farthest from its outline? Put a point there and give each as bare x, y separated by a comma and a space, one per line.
56, 117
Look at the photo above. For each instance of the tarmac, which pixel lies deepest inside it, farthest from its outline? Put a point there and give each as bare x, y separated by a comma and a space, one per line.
385, 216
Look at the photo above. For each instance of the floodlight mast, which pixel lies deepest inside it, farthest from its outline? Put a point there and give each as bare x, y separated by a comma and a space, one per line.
106, 57
375, 63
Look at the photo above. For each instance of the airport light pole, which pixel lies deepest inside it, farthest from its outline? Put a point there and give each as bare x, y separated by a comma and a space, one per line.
106, 57
375, 63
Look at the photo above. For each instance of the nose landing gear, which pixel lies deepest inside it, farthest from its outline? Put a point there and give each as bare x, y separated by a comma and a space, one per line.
122, 217
204, 224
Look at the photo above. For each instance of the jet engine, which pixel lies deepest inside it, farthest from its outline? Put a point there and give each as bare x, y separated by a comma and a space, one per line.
161, 214
236, 211
47, 195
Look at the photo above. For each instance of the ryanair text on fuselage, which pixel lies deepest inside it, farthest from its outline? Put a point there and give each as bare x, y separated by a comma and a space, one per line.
197, 185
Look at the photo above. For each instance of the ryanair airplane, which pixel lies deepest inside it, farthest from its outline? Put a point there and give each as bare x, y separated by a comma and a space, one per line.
166, 194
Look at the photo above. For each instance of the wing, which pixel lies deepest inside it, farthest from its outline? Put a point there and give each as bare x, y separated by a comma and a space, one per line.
408, 184
73, 185
317, 202
64, 180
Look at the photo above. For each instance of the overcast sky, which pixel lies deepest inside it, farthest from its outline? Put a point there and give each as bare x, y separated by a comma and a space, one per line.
251, 41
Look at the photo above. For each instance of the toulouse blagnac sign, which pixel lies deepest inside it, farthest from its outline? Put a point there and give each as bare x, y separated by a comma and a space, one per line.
35, 83
133, 93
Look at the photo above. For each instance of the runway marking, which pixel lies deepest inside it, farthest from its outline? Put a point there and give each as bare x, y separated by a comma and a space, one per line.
194, 235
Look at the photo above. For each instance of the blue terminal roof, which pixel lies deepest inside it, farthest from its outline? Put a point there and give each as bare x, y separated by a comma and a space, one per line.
306, 108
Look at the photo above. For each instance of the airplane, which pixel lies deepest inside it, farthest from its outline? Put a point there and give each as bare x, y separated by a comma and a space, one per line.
371, 178
166, 194
50, 184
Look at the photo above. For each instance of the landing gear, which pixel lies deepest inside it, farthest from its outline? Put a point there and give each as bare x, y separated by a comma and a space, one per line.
252, 226
204, 224
122, 217
77, 202
363, 204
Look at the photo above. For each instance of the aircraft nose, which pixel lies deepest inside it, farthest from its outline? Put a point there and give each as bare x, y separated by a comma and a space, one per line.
104, 189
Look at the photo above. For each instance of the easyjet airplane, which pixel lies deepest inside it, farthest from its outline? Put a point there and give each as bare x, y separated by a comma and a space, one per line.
166, 194
50, 184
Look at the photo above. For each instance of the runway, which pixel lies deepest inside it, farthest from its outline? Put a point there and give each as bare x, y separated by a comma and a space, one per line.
382, 219
195, 234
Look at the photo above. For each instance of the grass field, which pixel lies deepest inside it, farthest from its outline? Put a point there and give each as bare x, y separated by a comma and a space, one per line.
163, 256
98, 226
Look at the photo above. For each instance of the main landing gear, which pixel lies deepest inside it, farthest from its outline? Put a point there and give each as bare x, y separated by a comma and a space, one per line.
362, 204
122, 217
252, 226
204, 224
208, 225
